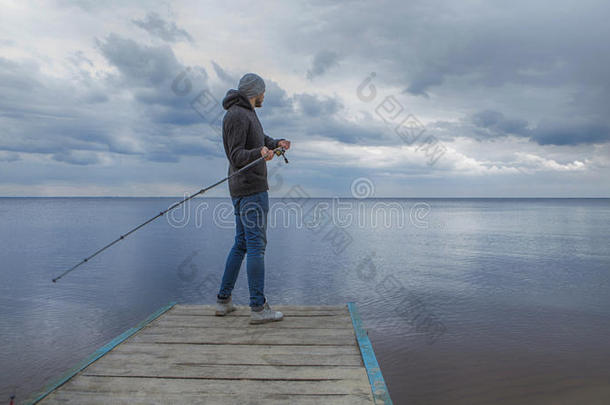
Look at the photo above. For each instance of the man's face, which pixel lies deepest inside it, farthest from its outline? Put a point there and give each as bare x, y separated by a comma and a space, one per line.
258, 101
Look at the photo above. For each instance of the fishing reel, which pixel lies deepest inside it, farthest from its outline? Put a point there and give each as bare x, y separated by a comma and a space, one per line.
281, 152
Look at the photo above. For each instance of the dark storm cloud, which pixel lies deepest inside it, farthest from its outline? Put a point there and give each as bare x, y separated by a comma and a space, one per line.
492, 124
421, 81
496, 123
40, 114
551, 133
322, 61
488, 45
150, 74
312, 105
305, 116
132, 111
140, 65
551, 56
166, 30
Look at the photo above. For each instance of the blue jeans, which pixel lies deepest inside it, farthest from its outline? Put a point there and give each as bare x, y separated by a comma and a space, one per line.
251, 238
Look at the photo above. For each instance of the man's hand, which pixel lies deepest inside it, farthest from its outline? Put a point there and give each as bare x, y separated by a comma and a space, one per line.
284, 144
266, 153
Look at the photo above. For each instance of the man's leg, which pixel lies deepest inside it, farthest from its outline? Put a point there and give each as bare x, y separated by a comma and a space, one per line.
235, 257
254, 211
255, 225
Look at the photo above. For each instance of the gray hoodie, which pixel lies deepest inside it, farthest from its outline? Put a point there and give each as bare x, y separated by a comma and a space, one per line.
243, 138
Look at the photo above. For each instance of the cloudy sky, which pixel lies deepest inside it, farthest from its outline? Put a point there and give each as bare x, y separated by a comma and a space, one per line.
419, 98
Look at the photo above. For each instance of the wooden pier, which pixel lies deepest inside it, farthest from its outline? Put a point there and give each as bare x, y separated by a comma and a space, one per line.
183, 354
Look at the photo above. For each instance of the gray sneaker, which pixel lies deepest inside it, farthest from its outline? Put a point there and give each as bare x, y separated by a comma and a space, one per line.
224, 308
266, 315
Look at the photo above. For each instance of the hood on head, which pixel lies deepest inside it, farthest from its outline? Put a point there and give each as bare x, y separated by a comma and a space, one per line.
235, 97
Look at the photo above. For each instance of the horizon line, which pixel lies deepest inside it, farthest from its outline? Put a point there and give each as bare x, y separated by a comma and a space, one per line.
311, 197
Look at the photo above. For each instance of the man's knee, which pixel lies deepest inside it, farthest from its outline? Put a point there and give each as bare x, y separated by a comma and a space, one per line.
240, 247
256, 246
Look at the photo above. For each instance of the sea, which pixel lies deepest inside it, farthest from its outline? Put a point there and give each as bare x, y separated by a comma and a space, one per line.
466, 301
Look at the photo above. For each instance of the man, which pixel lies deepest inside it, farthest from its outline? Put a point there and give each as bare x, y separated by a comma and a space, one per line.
244, 141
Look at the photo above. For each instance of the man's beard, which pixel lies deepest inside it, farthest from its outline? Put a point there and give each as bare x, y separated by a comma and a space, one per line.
258, 102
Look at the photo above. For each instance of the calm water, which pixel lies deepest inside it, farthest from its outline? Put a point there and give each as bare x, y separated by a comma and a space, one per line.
467, 301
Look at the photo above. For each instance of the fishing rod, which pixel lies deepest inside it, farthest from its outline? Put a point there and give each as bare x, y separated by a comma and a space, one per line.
278, 151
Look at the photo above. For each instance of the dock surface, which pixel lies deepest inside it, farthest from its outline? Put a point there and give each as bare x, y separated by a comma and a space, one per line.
187, 355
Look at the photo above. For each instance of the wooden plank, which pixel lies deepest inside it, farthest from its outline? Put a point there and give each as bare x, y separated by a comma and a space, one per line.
173, 369
255, 335
209, 310
94, 398
153, 386
236, 350
240, 354
302, 308
300, 322
254, 359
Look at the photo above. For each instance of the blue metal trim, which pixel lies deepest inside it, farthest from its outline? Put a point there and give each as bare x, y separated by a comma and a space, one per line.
100, 352
381, 395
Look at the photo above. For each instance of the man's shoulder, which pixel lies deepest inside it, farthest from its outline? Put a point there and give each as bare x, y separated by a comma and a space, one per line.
237, 113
